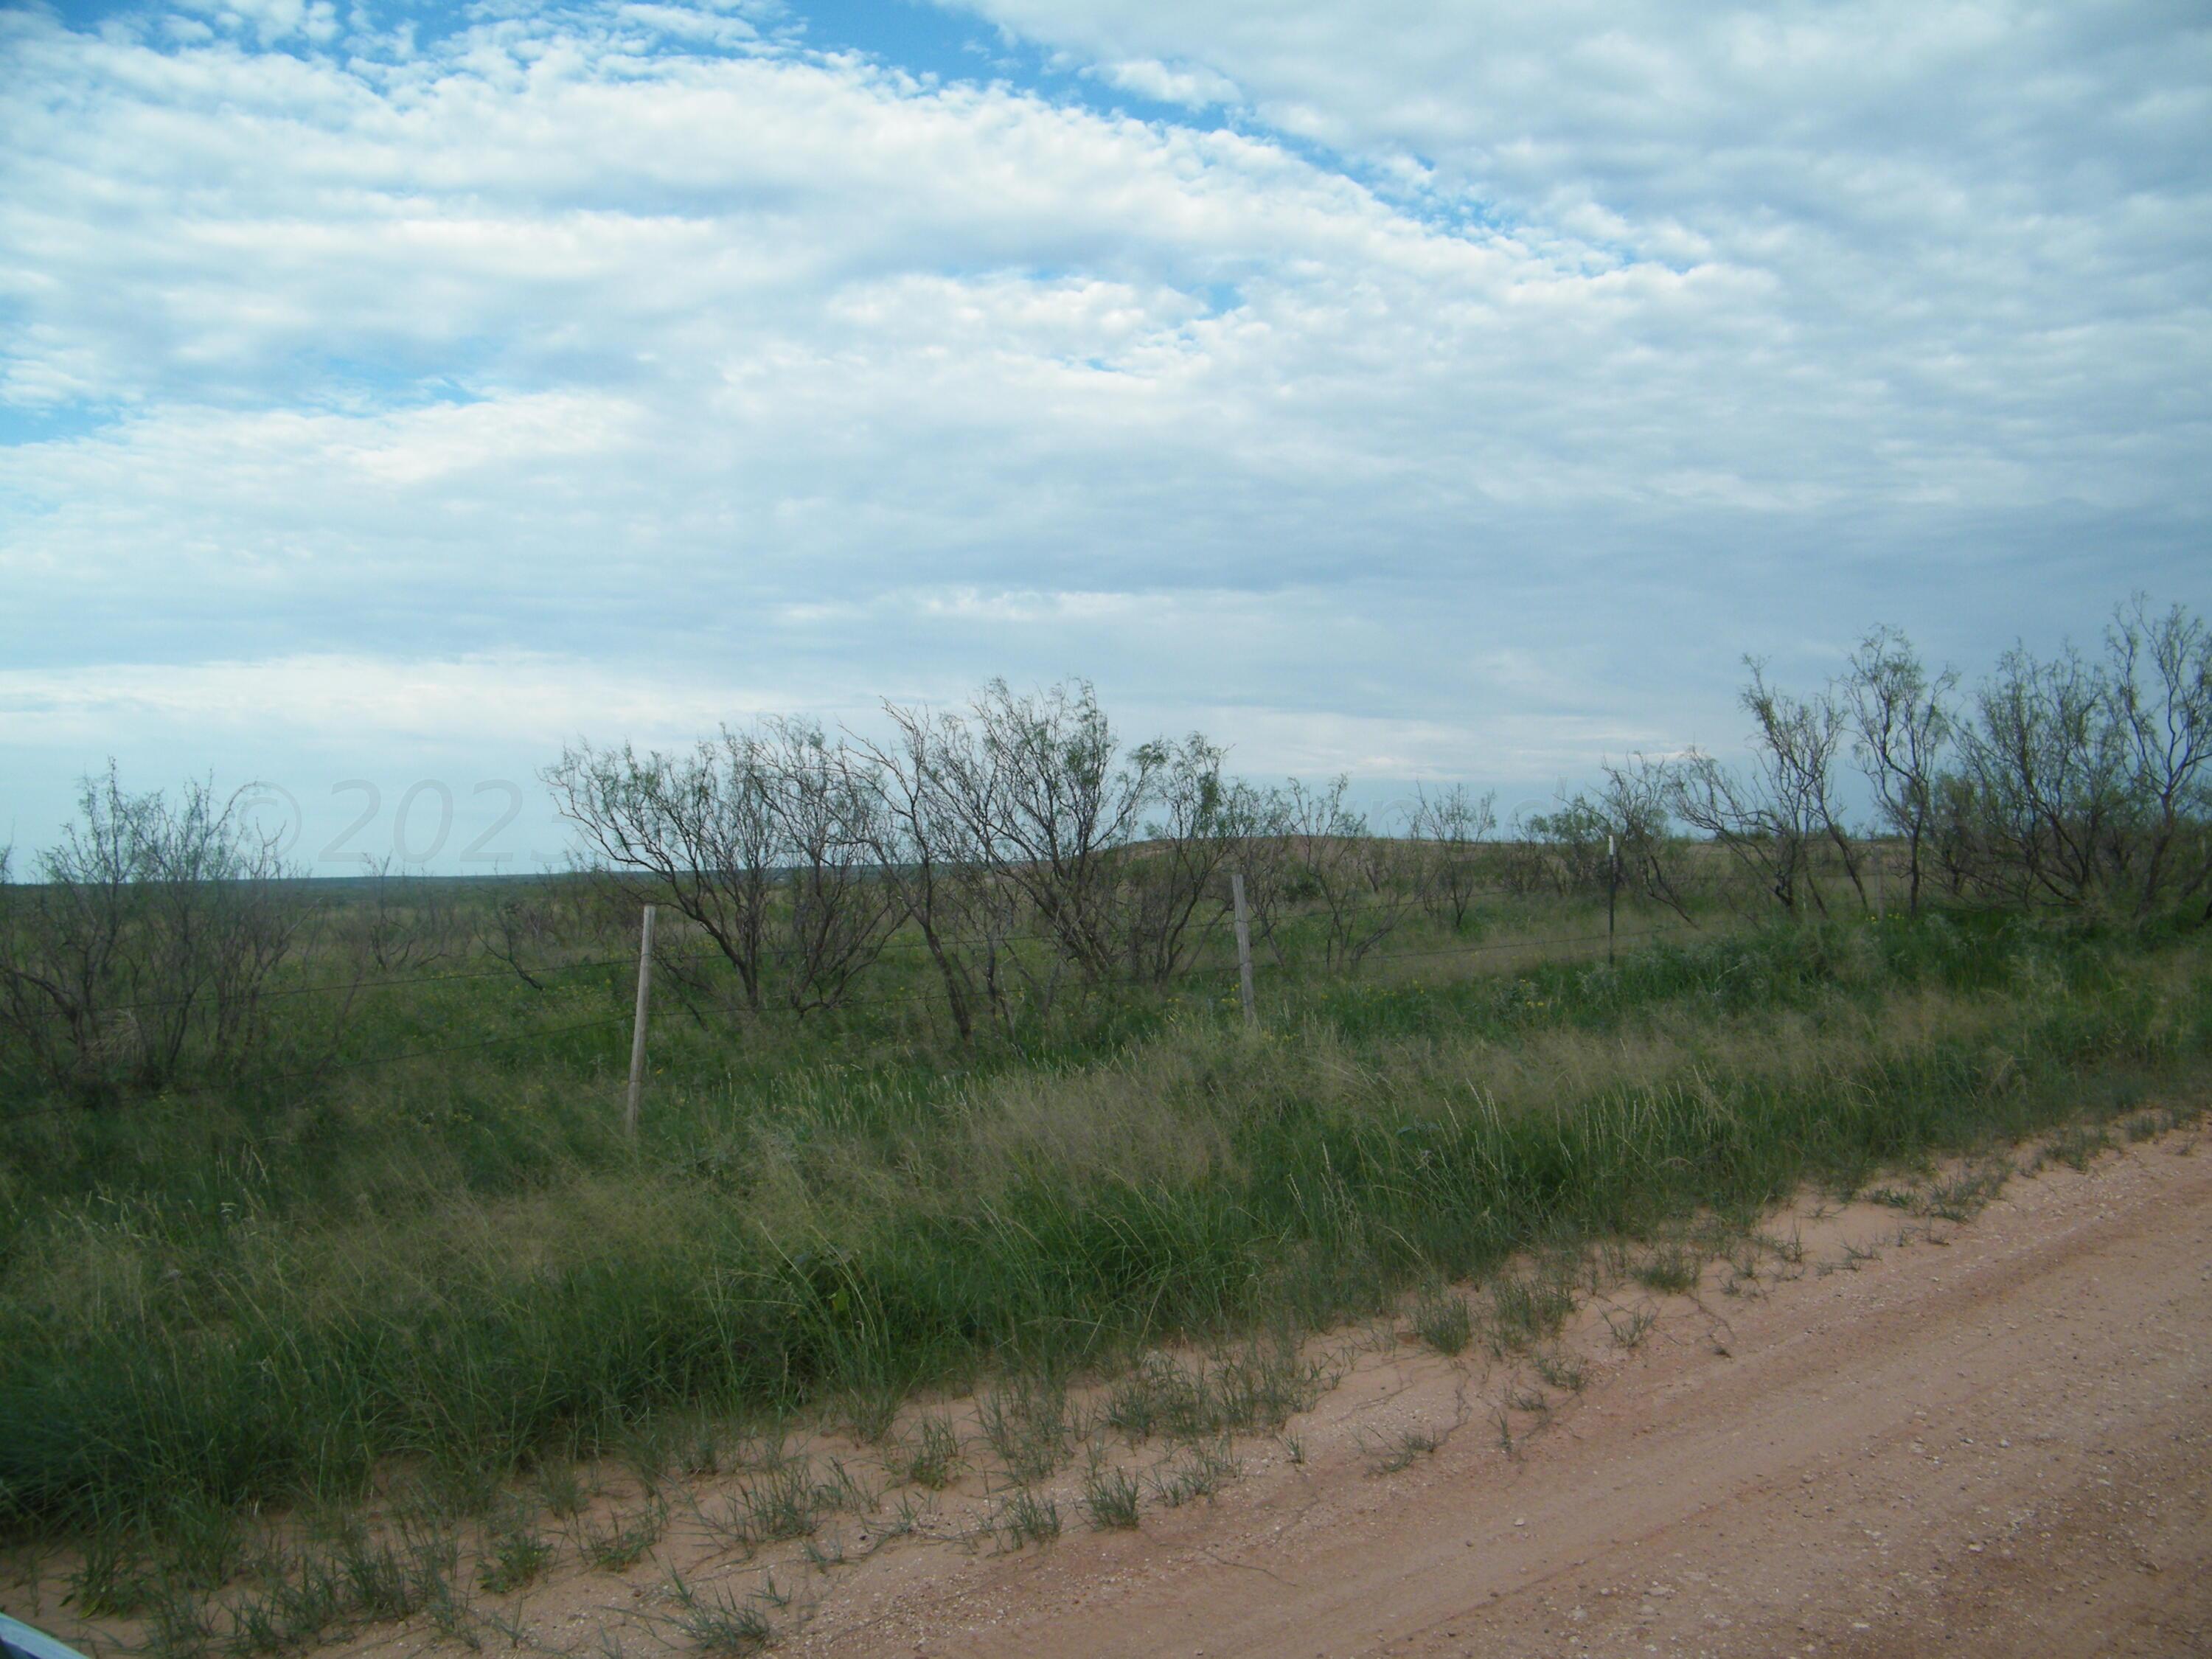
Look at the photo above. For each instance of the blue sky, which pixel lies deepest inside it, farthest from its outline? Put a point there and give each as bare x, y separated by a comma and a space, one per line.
391, 393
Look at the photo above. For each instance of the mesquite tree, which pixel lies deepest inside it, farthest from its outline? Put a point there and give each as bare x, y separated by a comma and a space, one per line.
765, 839
1902, 723
144, 951
1452, 828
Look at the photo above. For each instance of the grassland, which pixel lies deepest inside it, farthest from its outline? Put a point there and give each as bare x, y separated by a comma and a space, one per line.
457, 1271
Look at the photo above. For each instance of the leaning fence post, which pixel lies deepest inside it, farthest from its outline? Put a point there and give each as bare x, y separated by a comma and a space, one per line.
637, 1030
1243, 947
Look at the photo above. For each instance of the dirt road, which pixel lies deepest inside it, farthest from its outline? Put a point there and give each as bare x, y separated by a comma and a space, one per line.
2000, 1444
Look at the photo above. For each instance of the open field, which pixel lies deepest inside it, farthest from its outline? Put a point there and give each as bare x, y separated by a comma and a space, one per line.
282, 1371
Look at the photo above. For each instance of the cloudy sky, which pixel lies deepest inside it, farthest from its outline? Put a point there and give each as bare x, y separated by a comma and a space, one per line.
1425, 388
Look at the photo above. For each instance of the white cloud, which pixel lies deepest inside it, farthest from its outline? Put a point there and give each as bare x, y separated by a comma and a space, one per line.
271, 20
531, 696
1164, 83
650, 361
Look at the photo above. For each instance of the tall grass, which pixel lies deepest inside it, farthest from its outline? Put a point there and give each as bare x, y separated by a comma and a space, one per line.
207, 1305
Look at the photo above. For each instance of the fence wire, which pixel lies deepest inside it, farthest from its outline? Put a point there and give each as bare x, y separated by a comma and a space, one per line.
934, 993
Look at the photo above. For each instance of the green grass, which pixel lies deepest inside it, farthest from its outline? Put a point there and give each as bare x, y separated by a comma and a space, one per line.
624, 1541
1262, 1388
1110, 1498
1442, 1319
1672, 1269
515, 1555
1025, 1518
207, 1306
716, 1623
929, 1456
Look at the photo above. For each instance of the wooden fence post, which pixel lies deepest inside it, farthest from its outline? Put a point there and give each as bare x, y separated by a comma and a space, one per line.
1243, 948
637, 1030
1612, 890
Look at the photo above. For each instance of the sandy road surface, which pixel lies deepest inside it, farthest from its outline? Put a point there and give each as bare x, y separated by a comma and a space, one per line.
2001, 1444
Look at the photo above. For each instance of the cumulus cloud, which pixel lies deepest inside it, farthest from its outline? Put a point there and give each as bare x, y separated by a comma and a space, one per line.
1455, 391
269, 21
1981, 210
1170, 83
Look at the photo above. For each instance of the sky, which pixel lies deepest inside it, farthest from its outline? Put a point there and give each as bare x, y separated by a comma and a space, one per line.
393, 393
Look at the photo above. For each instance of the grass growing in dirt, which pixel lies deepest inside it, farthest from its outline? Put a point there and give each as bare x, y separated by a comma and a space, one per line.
467, 1273
1442, 1320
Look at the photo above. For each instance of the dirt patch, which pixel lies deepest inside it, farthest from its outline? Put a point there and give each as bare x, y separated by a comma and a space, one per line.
1878, 1431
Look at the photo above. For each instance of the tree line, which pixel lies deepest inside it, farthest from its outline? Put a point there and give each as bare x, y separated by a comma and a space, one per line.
1026, 852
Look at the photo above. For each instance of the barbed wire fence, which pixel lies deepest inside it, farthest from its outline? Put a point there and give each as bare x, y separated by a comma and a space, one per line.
1370, 959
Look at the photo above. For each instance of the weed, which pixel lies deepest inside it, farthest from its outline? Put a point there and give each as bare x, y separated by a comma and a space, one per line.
1524, 1312
788, 1499
930, 1454
655, 1442
763, 1449
781, 1502
1965, 1196
1026, 1424
289, 1601
450, 1616
868, 1414
843, 1490
199, 1542
561, 1489
2074, 1145
507, 1623
179, 1625
377, 1585
719, 1623
1110, 1497
515, 1554
1442, 1320
110, 1581
269, 1621
1560, 1371
1389, 1454
1673, 1271
1743, 1270
2151, 1124
1960, 1198
1026, 1518
905, 1519
1210, 1466
1630, 1326
1854, 1257
1202, 1470
1605, 1264
1261, 1389
1520, 1398
698, 1451
624, 1542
